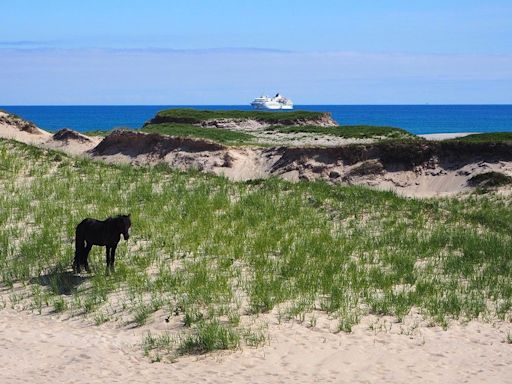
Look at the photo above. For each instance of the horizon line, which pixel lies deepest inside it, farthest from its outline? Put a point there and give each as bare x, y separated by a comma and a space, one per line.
247, 105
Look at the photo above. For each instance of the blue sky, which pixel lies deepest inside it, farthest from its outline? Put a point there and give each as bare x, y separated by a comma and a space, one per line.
227, 52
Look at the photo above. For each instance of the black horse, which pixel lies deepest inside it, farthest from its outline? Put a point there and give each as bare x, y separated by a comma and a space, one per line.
96, 232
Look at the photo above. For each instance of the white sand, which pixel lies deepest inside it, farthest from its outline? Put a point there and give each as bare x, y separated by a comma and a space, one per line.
72, 147
45, 139
10, 132
41, 349
445, 136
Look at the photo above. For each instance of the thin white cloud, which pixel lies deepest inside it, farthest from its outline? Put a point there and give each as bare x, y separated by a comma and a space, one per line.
235, 75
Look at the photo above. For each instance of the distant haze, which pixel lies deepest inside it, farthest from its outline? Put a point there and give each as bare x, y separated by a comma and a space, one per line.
228, 52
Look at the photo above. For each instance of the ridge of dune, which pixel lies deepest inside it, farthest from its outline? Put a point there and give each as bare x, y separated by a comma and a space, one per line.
67, 134
14, 128
416, 169
65, 140
421, 169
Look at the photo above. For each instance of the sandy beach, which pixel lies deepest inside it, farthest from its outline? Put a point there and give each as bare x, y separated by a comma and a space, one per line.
445, 136
40, 349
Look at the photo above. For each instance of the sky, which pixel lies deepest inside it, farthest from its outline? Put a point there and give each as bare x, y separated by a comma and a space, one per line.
57, 52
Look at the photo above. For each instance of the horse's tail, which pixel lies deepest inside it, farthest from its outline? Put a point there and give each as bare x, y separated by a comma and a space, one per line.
79, 248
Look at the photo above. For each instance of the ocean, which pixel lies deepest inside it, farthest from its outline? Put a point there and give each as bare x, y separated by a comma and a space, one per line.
418, 119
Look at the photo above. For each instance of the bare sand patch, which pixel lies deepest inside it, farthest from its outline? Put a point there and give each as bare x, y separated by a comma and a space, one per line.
65, 140
445, 136
71, 142
40, 349
16, 129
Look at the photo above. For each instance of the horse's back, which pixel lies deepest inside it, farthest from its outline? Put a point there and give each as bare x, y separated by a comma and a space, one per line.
87, 223
92, 230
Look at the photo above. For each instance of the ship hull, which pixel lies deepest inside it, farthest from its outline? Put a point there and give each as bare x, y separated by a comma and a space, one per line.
271, 106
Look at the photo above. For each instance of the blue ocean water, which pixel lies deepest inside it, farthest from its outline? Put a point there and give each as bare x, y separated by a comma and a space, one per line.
418, 119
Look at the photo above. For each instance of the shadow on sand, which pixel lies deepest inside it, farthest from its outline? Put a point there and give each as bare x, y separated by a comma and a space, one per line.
60, 282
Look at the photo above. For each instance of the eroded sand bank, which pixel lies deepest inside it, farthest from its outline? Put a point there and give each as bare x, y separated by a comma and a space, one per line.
431, 177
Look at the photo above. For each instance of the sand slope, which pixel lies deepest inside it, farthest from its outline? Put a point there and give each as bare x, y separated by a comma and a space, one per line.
10, 129
442, 174
41, 349
75, 144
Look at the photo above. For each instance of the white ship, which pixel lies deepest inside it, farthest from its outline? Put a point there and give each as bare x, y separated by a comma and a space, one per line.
276, 102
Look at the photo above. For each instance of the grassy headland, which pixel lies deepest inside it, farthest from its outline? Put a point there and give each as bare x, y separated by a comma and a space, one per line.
209, 252
289, 125
194, 116
237, 137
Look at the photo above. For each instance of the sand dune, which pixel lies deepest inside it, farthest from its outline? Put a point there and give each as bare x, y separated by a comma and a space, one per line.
442, 173
40, 349
46, 348
65, 140
10, 128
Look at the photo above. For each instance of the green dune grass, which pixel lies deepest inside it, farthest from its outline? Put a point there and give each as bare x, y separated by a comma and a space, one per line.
491, 137
227, 136
194, 116
348, 131
223, 136
208, 252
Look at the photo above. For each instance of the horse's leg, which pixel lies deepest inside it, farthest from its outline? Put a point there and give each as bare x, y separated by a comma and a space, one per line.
85, 256
107, 252
77, 260
79, 250
80, 255
113, 258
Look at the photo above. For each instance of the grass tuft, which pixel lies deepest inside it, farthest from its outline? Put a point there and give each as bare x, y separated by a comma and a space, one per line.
209, 336
491, 137
220, 135
490, 180
348, 131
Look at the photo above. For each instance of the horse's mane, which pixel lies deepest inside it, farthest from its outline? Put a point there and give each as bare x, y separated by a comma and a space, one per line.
119, 217
124, 219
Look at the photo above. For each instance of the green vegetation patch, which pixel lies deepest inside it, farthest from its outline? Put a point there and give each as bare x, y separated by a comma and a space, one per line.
194, 116
206, 252
207, 337
97, 133
348, 131
370, 167
490, 180
104, 133
491, 137
220, 135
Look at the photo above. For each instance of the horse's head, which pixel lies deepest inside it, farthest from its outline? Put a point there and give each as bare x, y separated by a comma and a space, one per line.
124, 225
